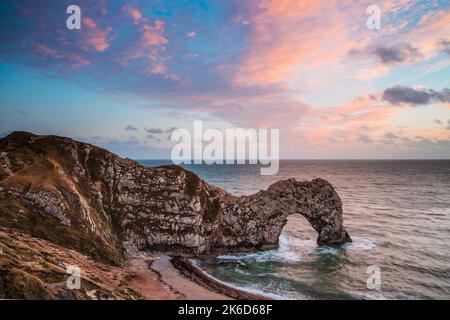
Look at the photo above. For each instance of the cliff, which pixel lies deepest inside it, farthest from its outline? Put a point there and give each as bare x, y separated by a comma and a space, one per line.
33, 268
85, 198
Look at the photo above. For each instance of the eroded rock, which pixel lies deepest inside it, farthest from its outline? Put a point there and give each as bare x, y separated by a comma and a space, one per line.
105, 203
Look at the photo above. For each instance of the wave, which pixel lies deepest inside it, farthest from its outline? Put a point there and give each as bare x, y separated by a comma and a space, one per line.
253, 288
292, 250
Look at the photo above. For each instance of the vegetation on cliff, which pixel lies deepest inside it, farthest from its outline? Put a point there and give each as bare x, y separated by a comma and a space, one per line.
96, 204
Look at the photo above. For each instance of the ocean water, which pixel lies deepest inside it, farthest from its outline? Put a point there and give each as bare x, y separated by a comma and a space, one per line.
397, 212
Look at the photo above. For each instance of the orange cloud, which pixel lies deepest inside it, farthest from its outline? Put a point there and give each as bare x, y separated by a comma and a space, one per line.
95, 37
46, 51
149, 47
432, 27
292, 41
153, 34
289, 34
134, 13
72, 59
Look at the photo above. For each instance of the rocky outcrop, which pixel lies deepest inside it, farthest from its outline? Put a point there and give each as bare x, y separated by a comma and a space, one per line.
86, 198
36, 269
257, 220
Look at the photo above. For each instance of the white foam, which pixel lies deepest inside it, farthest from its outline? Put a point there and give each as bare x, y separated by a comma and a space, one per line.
292, 250
360, 244
249, 288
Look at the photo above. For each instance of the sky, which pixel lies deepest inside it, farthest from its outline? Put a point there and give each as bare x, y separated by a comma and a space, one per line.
136, 70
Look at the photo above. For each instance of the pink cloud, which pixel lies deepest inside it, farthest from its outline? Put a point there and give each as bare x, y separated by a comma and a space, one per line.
72, 59
432, 27
149, 48
288, 34
157, 68
94, 37
77, 61
46, 51
153, 35
191, 34
295, 40
134, 13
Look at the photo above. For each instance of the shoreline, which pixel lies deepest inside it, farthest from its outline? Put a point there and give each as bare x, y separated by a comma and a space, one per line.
159, 276
197, 275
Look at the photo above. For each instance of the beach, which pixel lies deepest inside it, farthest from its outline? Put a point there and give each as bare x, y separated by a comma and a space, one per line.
161, 277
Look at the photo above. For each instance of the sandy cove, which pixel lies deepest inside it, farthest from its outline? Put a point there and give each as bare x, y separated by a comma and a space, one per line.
159, 276
36, 269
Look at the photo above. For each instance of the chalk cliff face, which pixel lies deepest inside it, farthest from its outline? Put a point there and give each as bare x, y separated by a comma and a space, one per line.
88, 199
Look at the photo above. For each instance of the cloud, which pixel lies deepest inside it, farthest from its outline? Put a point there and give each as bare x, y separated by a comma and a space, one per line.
276, 47
365, 138
154, 130
408, 95
191, 34
46, 51
133, 141
266, 72
109, 142
406, 139
171, 129
131, 128
147, 46
431, 144
152, 137
445, 46
134, 13
278, 53
396, 54
153, 34
160, 130
97, 38
438, 121
390, 136
448, 124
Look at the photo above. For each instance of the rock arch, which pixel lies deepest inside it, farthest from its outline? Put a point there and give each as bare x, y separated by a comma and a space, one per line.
199, 218
256, 221
97, 197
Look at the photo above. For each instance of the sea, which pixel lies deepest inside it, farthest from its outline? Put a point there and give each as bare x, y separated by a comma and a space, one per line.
396, 211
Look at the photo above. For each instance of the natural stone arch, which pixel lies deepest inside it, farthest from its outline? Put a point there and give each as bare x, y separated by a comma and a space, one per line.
256, 221
96, 195
189, 215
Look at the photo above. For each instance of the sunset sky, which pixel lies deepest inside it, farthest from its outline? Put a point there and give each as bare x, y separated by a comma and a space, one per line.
313, 69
